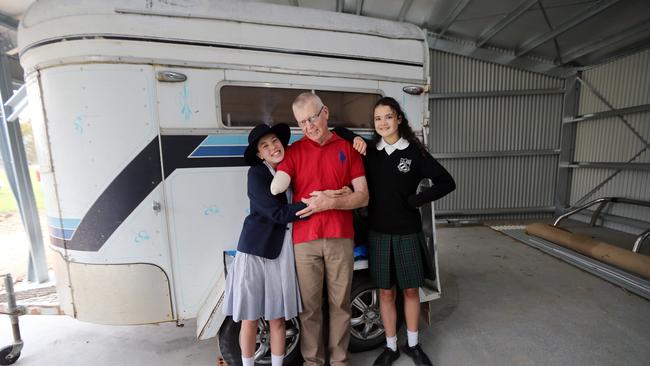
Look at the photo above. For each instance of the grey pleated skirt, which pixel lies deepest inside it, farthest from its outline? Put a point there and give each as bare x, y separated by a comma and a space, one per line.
258, 287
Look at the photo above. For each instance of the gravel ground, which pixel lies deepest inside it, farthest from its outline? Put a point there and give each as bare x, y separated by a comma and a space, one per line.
14, 245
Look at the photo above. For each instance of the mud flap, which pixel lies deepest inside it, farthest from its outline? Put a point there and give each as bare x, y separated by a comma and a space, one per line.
425, 312
209, 318
431, 289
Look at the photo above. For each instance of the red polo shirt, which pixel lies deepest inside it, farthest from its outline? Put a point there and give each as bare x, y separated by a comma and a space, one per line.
313, 167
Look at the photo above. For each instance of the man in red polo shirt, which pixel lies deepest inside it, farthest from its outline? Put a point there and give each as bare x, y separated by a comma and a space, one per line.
323, 244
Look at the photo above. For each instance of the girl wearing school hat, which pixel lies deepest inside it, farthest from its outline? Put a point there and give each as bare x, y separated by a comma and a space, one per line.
262, 282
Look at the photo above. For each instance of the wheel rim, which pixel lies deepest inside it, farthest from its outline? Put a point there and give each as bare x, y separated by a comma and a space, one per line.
263, 340
366, 320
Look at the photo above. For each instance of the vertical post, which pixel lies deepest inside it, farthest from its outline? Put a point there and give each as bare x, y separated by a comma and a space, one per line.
16, 165
567, 145
12, 309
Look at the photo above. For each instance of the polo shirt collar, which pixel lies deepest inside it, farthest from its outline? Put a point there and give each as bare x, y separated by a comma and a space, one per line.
332, 138
400, 144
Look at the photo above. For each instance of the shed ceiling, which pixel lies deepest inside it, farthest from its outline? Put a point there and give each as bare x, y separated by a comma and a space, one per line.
553, 33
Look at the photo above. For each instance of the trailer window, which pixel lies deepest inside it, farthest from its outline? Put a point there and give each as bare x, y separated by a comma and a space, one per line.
244, 106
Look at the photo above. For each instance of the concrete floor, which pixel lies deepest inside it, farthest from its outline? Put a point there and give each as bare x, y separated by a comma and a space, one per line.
503, 304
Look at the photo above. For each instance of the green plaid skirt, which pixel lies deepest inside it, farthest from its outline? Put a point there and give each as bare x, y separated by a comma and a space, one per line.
396, 259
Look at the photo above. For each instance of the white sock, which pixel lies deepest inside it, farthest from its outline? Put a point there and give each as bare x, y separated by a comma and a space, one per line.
276, 360
248, 361
413, 338
391, 342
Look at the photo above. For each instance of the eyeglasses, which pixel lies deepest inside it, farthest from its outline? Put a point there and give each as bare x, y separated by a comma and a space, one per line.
311, 119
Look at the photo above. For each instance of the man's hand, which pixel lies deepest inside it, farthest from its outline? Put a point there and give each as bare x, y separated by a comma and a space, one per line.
360, 145
334, 193
318, 201
322, 200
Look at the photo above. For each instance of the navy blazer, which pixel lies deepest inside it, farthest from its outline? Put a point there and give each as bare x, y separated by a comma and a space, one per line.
265, 226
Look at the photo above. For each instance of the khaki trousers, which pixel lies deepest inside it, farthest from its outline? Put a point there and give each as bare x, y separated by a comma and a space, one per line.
333, 260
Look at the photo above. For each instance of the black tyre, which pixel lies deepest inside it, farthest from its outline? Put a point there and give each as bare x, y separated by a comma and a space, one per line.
367, 330
229, 342
4, 354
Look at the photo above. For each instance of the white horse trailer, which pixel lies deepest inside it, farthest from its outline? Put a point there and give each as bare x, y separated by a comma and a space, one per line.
141, 111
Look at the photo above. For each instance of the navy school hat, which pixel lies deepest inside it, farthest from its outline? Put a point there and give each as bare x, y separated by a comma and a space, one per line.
281, 130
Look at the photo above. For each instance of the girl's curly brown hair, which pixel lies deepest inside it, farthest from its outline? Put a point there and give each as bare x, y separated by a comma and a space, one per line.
403, 128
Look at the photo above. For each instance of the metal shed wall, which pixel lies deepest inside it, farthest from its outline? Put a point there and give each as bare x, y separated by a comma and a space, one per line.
497, 130
623, 139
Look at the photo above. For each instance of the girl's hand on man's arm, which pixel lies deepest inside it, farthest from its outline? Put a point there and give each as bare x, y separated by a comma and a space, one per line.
360, 145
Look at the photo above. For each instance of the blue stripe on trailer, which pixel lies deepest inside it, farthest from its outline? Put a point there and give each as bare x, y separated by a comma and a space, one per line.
216, 140
60, 223
242, 140
218, 151
61, 233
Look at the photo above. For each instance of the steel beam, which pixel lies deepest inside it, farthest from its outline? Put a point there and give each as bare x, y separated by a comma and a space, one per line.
359, 7
497, 57
607, 218
17, 102
8, 21
645, 147
612, 109
562, 195
495, 154
339, 6
610, 113
496, 93
406, 5
494, 211
539, 40
558, 53
452, 16
604, 165
502, 23
605, 41
16, 166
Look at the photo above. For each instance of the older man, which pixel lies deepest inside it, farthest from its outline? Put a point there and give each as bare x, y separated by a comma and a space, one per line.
323, 244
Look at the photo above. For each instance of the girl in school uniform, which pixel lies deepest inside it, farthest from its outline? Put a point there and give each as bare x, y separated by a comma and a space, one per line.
396, 162
262, 281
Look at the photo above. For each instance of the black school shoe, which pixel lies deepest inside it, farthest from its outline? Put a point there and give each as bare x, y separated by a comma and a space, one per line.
387, 357
417, 354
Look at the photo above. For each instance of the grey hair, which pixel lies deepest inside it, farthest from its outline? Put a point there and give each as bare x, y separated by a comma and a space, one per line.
306, 97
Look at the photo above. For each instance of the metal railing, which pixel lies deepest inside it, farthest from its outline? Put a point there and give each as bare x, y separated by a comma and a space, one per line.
602, 202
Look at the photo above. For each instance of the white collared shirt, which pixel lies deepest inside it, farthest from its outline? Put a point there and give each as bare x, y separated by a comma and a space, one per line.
400, 144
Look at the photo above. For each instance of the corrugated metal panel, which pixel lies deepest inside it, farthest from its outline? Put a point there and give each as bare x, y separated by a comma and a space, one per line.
628, 183
584, 180
605, 219
453, 73
624, 228
624, 83
500, 182
495, 123
498, 217
610, 140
